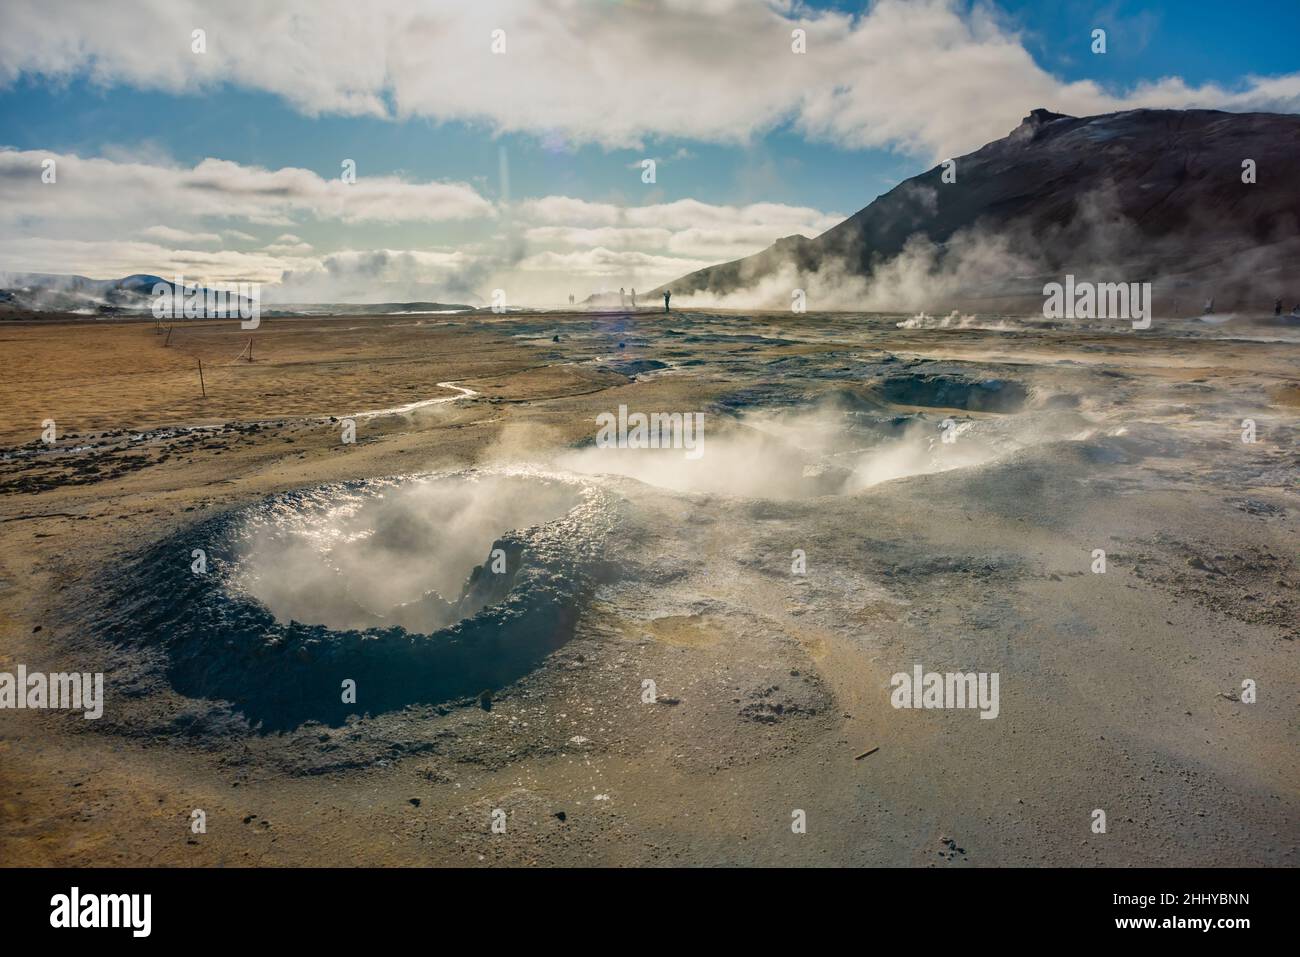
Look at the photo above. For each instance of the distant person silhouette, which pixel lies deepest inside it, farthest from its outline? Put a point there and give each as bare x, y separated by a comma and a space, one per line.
1277, 308
1209, 305
668, 294
622, 298
633, 298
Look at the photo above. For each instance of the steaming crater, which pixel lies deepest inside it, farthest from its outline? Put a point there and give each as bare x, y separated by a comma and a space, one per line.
810, 453
391, 583
411, 554
895, 427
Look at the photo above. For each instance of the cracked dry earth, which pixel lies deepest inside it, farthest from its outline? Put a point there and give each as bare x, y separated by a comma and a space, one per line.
703, 690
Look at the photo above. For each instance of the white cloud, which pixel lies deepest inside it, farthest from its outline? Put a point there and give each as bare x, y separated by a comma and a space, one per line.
376, 275
687, 229
110, 259
615, 236
545, 248
287, 244
729, 242
106, 190
680, 214
168, 234
935, 77
610, 263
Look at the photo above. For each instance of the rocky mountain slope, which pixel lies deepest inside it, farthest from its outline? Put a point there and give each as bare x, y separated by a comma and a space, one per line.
1143, 195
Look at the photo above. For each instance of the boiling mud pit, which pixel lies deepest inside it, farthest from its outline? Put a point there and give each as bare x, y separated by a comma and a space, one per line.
418, 589
846, 440
411, 555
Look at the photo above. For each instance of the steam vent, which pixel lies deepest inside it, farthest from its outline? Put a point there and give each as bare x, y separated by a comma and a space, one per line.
369, 582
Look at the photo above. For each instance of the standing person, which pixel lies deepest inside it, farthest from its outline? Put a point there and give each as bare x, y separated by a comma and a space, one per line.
1277, 308
622, 298
633, 298
668, 294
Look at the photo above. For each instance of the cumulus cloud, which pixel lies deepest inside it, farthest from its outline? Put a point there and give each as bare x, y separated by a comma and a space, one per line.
614, 236
168, 234
933, 77
685, 228
601, 262
108, 190
682, 214
110, 259
543, 249
373, 275
288, 249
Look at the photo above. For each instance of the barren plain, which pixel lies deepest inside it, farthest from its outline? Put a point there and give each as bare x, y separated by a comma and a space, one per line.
948, 484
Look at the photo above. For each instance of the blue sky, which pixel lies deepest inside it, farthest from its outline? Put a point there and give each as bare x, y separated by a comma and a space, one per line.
258, 128
769, 142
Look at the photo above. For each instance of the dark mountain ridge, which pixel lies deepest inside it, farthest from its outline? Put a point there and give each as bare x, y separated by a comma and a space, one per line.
1142, 195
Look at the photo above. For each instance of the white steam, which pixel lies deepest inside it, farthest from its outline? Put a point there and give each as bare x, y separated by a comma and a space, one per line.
794, 454
397, 556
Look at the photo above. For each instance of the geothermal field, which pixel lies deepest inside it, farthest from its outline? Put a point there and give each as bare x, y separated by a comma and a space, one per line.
406, 589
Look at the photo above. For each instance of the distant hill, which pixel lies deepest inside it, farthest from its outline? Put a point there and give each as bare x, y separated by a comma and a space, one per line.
23, 293
364, 308
1143, 195
51, 292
